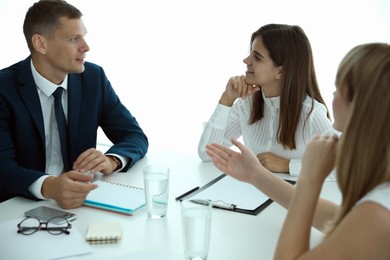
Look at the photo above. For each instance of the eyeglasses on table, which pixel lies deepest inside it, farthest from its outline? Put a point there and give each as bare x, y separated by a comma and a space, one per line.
30, 225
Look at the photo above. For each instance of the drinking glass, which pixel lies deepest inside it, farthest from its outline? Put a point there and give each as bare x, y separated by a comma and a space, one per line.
196, 225
156, 181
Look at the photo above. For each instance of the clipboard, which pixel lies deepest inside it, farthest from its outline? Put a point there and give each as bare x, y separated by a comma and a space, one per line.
227, 193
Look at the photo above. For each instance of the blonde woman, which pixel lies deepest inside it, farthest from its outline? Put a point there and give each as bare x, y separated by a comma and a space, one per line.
360, 227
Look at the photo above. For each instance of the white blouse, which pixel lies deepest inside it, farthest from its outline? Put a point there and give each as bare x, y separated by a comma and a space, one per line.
233, 122
380, 194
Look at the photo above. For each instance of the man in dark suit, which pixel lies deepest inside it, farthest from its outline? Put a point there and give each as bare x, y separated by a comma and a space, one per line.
38, 159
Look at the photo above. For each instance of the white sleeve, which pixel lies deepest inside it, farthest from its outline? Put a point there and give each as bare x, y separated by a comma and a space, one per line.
214, 130
319, 122
123, 159
36, 187
295, 166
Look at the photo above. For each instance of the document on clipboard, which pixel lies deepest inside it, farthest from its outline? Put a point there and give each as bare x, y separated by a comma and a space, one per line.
227, 193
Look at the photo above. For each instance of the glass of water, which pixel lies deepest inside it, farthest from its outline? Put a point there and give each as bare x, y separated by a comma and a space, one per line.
196, 225
156, 182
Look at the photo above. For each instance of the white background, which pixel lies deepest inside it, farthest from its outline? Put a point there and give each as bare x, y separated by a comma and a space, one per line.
169, 61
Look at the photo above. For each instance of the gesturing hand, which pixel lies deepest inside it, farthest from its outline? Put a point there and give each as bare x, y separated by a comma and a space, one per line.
241, 166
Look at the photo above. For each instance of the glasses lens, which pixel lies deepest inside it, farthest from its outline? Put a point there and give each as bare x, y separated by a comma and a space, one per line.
29, 226
58, 225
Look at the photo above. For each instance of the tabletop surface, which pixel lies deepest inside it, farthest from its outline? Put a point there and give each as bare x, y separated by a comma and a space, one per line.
233, 235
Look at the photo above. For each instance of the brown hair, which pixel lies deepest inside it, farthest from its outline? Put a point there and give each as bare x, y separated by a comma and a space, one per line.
363, 158
44, 18
289, 47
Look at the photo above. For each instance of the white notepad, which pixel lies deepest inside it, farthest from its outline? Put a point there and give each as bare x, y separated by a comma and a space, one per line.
102, 233
116, 197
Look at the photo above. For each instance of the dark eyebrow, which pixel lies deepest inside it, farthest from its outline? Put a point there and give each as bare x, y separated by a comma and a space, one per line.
258, 53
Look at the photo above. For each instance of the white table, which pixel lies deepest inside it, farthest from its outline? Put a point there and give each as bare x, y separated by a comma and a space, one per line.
233, 235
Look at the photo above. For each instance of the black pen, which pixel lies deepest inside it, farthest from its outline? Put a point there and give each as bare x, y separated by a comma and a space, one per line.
187, 193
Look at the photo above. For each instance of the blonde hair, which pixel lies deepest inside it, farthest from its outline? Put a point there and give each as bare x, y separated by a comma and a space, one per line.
363, 160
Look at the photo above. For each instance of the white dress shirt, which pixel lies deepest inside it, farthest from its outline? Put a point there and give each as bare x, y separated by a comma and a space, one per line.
54, 163
233, 122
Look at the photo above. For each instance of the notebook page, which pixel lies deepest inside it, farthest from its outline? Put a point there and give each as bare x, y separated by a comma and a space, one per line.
117, 195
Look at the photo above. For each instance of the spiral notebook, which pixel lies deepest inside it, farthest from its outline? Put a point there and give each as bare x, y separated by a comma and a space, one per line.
104, 233
116, 197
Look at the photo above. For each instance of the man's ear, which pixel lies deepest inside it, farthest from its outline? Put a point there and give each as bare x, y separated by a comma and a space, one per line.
40, 43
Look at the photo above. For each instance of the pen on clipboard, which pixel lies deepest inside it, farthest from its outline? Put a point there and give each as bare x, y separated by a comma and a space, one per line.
187, 193
216, 204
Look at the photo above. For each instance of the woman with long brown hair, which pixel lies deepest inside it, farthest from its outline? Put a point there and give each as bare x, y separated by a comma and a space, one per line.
277, 106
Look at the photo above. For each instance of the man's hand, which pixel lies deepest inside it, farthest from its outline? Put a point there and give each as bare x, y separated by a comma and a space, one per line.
94, 161
273, 162
69, 189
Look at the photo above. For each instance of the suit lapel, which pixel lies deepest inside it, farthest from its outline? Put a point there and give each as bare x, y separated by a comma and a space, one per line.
29, 94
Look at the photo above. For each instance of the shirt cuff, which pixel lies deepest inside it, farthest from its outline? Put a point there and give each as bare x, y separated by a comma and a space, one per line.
295, 166
36, 187
123, 159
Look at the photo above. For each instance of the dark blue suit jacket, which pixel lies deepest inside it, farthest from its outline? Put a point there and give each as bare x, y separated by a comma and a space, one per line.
92, 102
